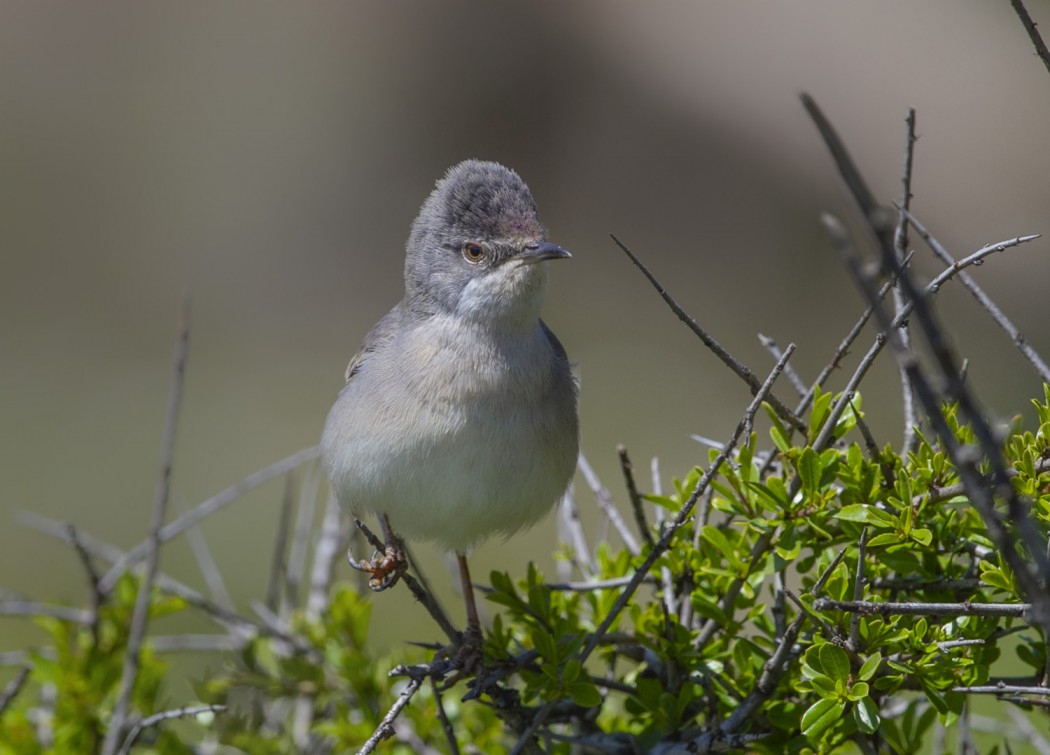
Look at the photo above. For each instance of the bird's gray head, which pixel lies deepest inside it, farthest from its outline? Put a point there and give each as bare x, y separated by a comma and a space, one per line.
477, 247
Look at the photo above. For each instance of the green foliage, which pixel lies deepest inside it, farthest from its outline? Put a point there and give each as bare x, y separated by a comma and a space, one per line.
701, 642
334, 689
82, 663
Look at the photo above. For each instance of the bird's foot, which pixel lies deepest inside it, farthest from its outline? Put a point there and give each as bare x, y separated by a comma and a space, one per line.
385, 568
464, 659
468, 657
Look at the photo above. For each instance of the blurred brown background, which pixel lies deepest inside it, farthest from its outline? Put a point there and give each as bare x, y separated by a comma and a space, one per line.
271, 157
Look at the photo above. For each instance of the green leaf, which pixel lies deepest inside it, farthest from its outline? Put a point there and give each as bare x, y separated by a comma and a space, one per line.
809, 469
585, 694
867, 671
859, 512
825, 686
866, 715
834, 662
663, 501
821, 716
819, 413
997, 577
921, 535
718, 539
886, 538
545, 645
858, 691
778, 435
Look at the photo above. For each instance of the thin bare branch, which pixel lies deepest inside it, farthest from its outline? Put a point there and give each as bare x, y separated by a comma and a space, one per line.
385, 730
140, 616
168, 715
742, 371
209, 568
299, 548
982, 489
947, 492
220, 614
844, 346
34, 610
1015, 335
209, 507
92, 575
604, 500
598, 584
334, 535
858, 589
570, 531
686, 511
789, 370
633, 494
1033, 33
446, 724
275, 584
966, 608
197, 643
14, 687
772, 671
1003, 689
900, 243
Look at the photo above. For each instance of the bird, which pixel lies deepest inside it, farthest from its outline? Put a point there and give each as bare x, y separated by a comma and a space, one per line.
458, 419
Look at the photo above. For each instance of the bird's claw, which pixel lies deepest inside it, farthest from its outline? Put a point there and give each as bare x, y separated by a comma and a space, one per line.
385, 568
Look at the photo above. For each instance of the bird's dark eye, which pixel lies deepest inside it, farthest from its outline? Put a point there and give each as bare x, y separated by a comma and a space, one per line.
473, 253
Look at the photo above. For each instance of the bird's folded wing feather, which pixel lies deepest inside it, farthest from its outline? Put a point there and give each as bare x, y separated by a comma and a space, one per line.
381, 333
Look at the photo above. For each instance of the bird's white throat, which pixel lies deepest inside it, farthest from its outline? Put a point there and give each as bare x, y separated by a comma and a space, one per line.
510, 296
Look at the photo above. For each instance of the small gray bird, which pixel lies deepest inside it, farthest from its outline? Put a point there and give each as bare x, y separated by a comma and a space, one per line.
458, 419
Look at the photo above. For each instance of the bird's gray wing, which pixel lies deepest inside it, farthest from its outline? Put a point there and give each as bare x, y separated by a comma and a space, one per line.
559, 350
381, 333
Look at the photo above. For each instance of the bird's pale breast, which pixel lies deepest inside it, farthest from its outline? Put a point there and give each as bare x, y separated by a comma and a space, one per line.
480, 436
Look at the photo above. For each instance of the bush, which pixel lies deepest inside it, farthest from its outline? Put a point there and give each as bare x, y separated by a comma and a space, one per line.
815, 594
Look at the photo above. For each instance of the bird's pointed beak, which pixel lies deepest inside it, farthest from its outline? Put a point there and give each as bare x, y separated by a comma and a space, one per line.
538, 251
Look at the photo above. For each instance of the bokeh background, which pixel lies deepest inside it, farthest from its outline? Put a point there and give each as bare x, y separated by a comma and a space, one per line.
271, 158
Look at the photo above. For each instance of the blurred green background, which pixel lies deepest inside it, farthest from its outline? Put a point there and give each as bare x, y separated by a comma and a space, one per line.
271, 157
